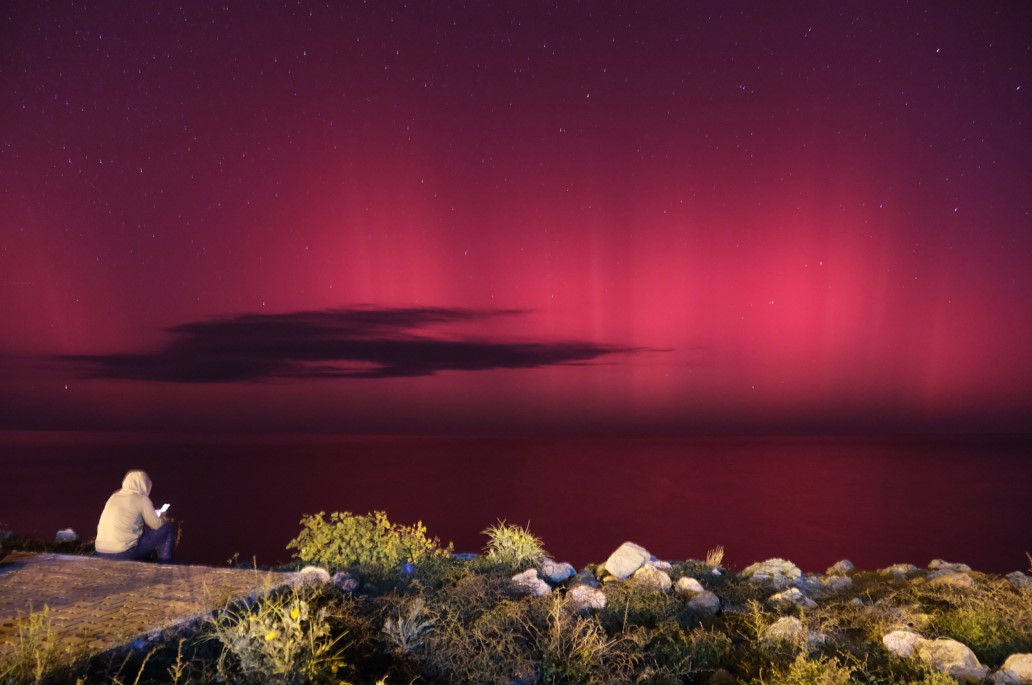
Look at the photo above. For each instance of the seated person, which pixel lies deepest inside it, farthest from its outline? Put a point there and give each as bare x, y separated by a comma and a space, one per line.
122, 533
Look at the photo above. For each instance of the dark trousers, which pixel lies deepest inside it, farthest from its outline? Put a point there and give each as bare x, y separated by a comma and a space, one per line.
160, 542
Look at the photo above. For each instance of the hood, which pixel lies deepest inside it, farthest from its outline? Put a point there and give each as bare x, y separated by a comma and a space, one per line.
137, 481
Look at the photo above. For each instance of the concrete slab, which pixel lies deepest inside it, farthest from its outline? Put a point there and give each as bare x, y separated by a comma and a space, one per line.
96, 604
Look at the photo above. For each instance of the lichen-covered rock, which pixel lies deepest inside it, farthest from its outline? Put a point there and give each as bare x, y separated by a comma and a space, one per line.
584, 577
652, 578
791, 597
899, 570
841, 568
627, 559
777, 572
704, 603
1016, 670
529, 582
556, 572
940, 567
313, 574
786, 629
688, 586
1019, 580
66, 535
835, 583
653, 562
344, 581
952, 657
901, 642
585, 597
955, 581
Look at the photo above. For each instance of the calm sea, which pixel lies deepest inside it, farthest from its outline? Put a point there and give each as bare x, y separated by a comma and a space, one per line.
811, 500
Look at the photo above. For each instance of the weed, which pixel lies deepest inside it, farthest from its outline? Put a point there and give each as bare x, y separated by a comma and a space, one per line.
715, 556
406, 630
576, 649
279, 638
348, 539
513, 546
809, 671
36, 651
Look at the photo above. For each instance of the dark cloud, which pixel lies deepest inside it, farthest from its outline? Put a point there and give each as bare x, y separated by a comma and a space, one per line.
340, 343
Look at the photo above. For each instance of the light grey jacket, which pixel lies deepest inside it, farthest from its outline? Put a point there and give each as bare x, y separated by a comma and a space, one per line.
121, 522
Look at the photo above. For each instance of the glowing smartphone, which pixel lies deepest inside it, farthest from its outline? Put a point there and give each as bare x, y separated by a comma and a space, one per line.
164, 508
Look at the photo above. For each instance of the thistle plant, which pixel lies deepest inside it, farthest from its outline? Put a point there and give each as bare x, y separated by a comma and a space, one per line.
513, 546
406, 631
278, 639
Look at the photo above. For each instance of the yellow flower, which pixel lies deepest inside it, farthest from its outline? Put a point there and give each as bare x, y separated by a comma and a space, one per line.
271, 635
294, 613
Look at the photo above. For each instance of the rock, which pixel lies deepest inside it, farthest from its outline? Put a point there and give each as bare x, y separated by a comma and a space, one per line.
66, 535
688, 586
786, 629
1019, 580
704, 603
627, 559
952, 657
956, 581
659, 564
791, 597
313, 574
652, 578
529, 582
1016, 670
946, 567
556, 572
835, 583
899, 570
901, 642
585, 597
841, 568
5, 535
584, 577
344, 581
777, 572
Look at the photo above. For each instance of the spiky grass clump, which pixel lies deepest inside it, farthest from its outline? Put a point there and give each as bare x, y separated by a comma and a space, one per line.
513, 546
35, 653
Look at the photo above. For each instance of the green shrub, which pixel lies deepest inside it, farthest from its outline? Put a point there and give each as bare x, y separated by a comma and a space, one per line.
279, 638
676, 653
513, 546
347, 539
478, 632
807, 671
987, 632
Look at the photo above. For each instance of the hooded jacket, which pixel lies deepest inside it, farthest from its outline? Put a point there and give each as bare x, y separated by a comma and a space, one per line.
125, 513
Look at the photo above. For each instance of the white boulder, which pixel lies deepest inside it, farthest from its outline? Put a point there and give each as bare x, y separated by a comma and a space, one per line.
313, 574
841, 568
777, 572
1016, 670
955, 581
529, 582
1019, 580
66, 535
652, 578
791, 597
688, 586
786, 629
901, 642
899, 570
556, 572
584, 597
704, 603
627, 559
952, 657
